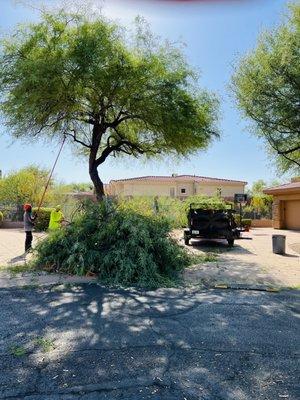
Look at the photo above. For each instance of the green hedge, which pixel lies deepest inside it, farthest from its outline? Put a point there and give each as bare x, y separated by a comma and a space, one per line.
43, 218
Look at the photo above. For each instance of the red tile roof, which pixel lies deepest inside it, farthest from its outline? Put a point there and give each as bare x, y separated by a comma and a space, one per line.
182, 178
291, 187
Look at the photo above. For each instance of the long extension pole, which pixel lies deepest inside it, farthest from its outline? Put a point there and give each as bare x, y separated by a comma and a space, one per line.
50, 175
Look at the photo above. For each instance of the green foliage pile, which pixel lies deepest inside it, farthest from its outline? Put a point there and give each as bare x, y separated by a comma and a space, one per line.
43, 218
206, 202
120, 247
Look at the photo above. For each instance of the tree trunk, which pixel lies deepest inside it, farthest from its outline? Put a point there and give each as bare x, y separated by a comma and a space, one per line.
93, 166
98, 185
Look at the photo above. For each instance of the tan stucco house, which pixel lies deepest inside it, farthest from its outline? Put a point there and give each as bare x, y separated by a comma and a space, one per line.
286, 205
179, 186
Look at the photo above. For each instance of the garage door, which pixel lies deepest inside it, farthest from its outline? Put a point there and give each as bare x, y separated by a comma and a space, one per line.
292, 214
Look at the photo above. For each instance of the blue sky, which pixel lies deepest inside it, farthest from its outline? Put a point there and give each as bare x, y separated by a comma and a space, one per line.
216, 34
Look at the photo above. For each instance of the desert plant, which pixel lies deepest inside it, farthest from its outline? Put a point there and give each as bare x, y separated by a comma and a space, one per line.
120, 247
168, 208
111, 91
246, 222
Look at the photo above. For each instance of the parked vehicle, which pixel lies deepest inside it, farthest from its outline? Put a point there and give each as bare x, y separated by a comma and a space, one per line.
211, 224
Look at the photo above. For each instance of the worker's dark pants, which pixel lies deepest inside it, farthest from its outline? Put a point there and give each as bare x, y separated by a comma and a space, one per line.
28, 240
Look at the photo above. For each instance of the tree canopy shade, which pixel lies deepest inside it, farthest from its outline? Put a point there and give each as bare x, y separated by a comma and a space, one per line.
267, 87
110, 93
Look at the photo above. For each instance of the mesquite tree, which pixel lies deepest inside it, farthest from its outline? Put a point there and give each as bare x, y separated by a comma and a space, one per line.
110, 92
267, 88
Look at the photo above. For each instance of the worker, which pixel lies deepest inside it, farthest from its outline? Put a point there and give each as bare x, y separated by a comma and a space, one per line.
56, 218
28, 219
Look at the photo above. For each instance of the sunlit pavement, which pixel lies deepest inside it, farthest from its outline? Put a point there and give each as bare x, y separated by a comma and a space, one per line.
86, 342
251, 261
12, 243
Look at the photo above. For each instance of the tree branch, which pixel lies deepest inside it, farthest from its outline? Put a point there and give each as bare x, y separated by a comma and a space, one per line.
73, 136
119, 120
289, 151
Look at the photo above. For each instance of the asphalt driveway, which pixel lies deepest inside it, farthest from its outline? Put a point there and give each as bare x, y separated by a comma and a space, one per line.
86, 342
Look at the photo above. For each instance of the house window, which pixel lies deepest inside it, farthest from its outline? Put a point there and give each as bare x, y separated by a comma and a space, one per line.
183, 191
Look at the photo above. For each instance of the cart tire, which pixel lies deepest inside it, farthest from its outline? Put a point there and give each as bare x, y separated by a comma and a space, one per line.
230, 242
186, 241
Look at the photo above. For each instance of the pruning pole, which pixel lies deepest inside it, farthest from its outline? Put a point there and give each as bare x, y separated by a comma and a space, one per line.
50, 175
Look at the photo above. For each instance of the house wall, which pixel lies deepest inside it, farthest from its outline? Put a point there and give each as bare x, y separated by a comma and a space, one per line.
261, 223
226, 190
148, 189
144, 188
188, 186
279, 203
116, 189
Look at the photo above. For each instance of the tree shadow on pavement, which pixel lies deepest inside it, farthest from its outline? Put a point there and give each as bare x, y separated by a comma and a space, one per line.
131, 344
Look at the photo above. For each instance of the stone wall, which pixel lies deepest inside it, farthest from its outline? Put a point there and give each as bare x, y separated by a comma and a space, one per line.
262, 223
276, 214
12, 225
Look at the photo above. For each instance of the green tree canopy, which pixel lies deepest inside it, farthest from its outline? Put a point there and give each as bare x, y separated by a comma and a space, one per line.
23, 186
260, 202
267, 87
111, 93
257, 187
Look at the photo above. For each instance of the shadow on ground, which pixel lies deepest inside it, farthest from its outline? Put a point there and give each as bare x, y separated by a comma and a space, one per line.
218, 246
128, 344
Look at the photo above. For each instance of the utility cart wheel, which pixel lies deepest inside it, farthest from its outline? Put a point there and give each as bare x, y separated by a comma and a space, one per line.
186, 240
230, 242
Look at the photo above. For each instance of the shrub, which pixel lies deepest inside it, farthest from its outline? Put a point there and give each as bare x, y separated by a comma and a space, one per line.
237, 219
246, 222
1, 218
120, 247
43, 218
174, 211
170, 209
